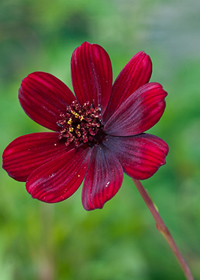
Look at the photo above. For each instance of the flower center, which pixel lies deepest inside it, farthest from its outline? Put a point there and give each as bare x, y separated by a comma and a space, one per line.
81, 125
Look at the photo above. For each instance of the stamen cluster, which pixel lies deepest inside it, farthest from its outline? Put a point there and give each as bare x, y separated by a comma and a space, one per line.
80, 124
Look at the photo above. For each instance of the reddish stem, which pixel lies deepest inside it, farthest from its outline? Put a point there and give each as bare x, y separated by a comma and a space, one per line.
163, 229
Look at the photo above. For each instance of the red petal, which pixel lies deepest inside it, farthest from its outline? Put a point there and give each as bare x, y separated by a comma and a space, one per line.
139, 112
60, 178
140, 156
43, 97
103, 179
136, 73
91, 74
26, 153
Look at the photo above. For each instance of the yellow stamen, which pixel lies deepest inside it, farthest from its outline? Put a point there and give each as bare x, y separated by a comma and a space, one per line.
69, 121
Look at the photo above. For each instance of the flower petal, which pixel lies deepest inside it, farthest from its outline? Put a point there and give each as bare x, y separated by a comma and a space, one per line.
91, 74
140, 155
43, 97
139, 112
26, 153
60, 178
103, 179
136, 73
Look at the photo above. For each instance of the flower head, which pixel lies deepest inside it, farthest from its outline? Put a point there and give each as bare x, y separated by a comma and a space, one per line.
98, 132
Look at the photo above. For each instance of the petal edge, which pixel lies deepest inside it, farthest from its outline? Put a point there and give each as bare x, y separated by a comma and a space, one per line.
43, 97
91, 73
26, 153
60, 178
103, 179
139, 112
135, 74
141, 155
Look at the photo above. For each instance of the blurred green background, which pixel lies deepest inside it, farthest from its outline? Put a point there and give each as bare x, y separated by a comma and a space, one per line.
119, 242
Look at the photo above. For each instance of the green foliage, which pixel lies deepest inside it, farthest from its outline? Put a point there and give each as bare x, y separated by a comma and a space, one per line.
63, 241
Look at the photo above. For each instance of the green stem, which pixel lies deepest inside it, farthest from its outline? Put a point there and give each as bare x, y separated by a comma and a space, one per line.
163, 229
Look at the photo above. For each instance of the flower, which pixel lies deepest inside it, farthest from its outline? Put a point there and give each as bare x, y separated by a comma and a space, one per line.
98, 132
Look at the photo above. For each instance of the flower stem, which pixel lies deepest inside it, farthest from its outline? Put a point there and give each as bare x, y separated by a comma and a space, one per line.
163, 229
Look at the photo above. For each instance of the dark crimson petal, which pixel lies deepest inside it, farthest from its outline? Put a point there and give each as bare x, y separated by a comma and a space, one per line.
91, 74
140, 155
135, 74
139, 112
60, 178
26, 153
103, 179
43, 97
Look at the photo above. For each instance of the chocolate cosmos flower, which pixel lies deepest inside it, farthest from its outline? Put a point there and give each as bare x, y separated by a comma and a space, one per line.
98, 132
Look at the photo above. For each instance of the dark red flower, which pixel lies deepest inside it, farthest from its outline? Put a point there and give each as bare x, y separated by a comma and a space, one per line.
98, 133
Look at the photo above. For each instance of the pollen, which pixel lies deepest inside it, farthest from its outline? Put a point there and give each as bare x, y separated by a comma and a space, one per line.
69, 121
81, 125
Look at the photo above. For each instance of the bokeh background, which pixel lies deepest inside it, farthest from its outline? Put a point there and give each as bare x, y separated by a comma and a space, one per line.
119, 242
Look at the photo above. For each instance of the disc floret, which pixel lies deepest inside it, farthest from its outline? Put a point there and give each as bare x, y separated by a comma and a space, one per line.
81, 124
